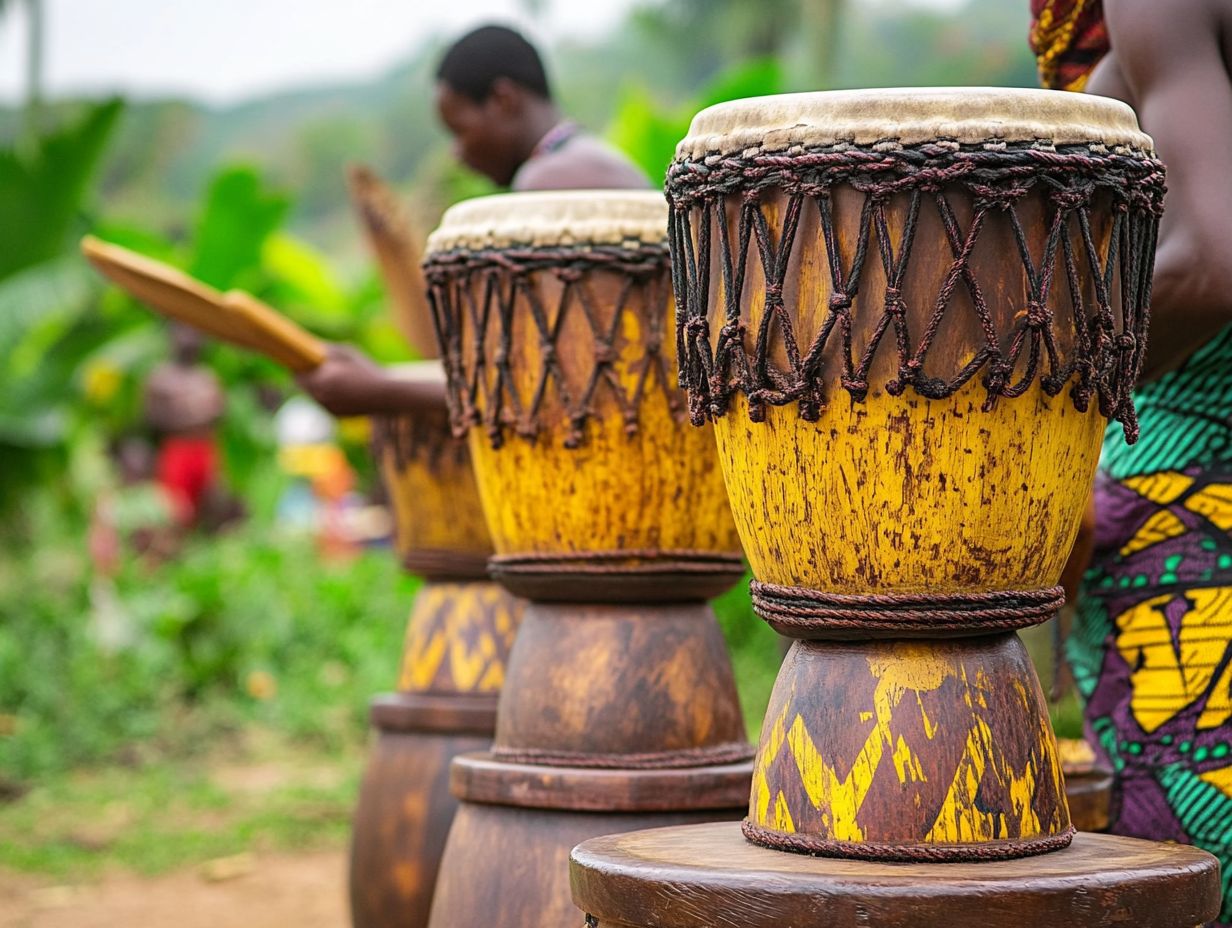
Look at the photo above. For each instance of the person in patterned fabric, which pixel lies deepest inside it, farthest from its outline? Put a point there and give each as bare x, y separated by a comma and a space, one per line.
1152, 645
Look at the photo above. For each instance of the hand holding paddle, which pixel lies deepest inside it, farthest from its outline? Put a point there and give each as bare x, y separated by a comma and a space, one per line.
340, 378
235, 317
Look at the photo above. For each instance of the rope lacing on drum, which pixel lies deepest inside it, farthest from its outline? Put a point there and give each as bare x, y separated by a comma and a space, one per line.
1100, 355
481, 297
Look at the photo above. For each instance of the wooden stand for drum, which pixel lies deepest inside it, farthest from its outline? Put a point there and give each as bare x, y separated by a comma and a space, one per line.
457, 646
908, 315
608, 513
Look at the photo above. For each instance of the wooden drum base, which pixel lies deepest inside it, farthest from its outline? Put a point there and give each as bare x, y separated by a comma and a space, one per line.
457, 644
706, 875
613, 718
509, 865
405, 806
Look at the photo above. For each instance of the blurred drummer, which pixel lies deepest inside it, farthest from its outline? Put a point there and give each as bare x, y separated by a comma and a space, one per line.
1152, 646
493, 95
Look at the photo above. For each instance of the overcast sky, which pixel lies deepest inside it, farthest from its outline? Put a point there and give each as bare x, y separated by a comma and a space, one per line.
221, 51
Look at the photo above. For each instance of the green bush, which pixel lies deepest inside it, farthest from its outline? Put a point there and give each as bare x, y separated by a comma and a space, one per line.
247, 626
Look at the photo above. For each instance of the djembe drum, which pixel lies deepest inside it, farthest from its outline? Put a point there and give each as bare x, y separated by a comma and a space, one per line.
908, 315
608, 512
458, 637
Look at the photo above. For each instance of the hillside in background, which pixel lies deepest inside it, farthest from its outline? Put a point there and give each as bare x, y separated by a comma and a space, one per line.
164, 151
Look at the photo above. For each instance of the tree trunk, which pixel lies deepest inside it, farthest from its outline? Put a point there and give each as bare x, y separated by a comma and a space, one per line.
822, 22
34, 69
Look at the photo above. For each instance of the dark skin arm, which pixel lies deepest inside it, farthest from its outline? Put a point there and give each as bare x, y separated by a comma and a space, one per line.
349, 383
1168, 62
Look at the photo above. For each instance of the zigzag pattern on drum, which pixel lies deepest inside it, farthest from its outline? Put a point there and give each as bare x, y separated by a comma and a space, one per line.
972, 791
505, 277
459, 639
1108, 345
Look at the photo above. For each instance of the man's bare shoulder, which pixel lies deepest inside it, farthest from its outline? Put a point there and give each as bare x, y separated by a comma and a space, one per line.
1151, 27
585, 163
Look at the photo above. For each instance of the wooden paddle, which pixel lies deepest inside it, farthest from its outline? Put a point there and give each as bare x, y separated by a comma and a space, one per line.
235, 317
396, 246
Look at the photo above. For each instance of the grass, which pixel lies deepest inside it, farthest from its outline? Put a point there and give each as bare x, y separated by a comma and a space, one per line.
263, 794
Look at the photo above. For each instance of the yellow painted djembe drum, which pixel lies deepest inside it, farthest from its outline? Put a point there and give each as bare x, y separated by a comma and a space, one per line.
607, 511
458, 638
909, 316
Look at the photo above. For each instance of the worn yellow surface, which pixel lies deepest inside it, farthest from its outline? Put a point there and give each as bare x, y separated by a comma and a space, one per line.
824, 787
659, 489
458, 638
436, 503
909, 494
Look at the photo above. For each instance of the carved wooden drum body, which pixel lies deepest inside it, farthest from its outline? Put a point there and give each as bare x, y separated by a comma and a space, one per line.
556, 318
438, 519
909, 316
608, 511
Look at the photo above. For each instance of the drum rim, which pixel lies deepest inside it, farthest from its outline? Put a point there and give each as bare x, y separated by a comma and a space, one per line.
912, 116
551, 219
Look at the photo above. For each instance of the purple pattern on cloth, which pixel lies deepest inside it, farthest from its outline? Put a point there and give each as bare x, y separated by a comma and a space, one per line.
1149, 815
1150, 765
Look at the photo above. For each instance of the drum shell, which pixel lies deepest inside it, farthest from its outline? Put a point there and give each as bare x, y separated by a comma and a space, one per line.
440, 530
905, 493
636, 477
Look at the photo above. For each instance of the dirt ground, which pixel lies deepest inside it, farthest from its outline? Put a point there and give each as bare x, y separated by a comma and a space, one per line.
274, 891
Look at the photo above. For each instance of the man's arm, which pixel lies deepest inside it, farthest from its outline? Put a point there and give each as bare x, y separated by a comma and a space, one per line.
1170, 58
349, 383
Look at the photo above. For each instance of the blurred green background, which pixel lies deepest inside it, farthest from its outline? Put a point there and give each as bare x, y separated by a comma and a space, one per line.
233, 649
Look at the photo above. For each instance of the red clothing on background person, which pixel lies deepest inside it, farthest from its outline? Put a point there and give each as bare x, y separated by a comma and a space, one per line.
183, 403
186, 469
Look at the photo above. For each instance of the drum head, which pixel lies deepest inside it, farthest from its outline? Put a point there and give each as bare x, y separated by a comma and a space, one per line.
912, 116
556, 219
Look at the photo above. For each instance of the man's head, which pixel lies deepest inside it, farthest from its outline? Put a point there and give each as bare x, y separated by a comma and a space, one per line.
186, 344
492, 94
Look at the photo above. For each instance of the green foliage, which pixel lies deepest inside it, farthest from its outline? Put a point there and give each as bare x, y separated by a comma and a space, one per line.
756, 652
154, 817
648, 132
43, 292
93, 669
75, 360
645, 132
43, 189
35, 303
702, 37
897, 45
238, 216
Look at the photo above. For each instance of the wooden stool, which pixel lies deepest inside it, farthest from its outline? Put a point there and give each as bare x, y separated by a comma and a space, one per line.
608, 512
909, 316
458, 637
701, 876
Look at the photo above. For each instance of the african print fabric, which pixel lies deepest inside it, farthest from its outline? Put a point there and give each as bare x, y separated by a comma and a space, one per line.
1152, 644
1068, 38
